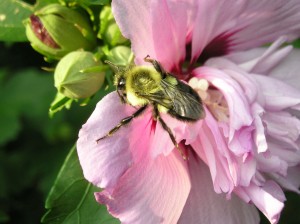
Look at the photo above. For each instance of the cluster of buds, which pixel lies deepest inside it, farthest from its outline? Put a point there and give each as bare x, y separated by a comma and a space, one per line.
67, 35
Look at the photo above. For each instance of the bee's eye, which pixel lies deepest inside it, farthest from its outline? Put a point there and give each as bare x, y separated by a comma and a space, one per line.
121, 83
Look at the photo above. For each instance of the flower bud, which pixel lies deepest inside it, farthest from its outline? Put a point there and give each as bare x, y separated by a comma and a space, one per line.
120, 55
56, 30
110, 31
79, 75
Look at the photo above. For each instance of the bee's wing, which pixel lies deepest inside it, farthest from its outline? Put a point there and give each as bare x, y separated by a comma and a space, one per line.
185, 101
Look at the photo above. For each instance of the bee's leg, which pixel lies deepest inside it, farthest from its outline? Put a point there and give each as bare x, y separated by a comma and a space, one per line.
123, 122
121, 97
156, 65
167, 129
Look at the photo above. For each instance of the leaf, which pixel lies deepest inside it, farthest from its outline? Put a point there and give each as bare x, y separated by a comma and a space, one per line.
95, 2
71, 199
296, 43
22, 100
3, 217
12, 14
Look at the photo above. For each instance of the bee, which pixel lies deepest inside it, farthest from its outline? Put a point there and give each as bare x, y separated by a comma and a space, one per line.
144, 86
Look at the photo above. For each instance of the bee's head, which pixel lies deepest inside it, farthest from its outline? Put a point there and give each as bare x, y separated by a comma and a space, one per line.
119, 80
120, 83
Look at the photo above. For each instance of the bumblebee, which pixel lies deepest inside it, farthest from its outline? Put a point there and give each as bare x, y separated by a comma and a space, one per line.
144, 86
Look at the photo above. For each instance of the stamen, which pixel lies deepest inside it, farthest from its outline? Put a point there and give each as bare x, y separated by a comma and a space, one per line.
212, 98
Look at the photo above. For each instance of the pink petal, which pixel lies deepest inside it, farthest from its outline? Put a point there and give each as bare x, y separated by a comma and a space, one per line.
222, 176
291, 181
285, 152
161, 142
227, 169
265, 21
104, 162
154, 29
205, 206
151, 191
238, 76
168, 31
259, 134
288, 69
232, 91
162, 29
278, 95
283, 127
134, 20
235, 97
222, 28
262, 60
268, 199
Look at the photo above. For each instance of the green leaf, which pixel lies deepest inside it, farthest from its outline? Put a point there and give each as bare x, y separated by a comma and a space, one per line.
95, 2
296, 43
12, 14
22, 100
71, 199
3, 217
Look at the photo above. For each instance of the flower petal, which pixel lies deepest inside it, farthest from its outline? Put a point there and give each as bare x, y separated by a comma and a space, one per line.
262, 60
235, 97
151, 191
291, 181
154, 28
205, 206
222, 28
288, 69
278, 95
268, 199
104, 162
227, 169
161, 142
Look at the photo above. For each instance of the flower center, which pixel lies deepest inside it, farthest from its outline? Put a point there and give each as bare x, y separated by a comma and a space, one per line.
213, 99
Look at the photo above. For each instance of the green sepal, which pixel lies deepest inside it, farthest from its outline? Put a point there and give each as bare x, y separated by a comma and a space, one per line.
60, 102
120, 55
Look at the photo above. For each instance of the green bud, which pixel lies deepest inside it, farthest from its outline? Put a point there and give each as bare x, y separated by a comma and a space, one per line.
109, 30
79, 75
56, 30
120, 55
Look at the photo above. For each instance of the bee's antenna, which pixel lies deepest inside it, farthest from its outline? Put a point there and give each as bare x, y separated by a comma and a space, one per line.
113, 66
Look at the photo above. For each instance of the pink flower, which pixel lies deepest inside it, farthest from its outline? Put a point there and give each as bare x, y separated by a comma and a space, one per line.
242, 154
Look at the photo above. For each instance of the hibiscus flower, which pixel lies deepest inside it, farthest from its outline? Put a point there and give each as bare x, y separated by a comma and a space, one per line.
242, 154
